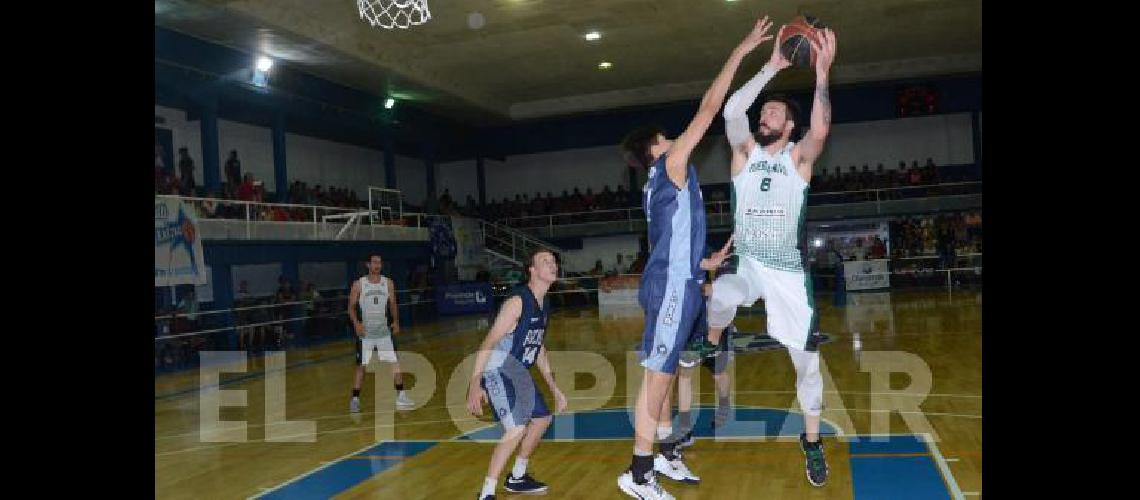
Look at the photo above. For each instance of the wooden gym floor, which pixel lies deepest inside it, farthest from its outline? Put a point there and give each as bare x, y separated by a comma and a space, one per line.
894, 437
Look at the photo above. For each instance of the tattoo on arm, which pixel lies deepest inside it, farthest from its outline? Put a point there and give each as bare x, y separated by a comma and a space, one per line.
824, 99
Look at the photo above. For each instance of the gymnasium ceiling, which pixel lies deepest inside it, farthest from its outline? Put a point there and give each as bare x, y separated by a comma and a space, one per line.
530, 59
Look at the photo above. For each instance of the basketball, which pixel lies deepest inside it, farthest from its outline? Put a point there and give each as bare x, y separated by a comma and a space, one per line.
794, 41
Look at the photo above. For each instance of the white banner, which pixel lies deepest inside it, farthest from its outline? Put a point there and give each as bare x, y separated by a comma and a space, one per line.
468, 246
177, 247
867, 274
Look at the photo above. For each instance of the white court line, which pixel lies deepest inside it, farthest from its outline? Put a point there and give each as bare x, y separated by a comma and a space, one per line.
594, 398
972, 493
929, 414
946, 474
952, 459
307, 474
325, 465
425, 422
322, 433
839, 436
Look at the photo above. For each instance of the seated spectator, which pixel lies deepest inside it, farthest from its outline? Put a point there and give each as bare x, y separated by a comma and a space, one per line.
278, 214
914, 175
859, 252
930, 172
245, 190
623, 198
878, 248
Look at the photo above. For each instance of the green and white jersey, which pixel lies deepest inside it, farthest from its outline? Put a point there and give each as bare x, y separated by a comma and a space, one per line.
768, 208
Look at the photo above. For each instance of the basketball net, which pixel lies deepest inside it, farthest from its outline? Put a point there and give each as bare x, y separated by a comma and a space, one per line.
394, 13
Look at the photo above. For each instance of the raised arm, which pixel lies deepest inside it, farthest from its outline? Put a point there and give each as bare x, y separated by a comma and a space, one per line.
682, 147
812, 144
736, 127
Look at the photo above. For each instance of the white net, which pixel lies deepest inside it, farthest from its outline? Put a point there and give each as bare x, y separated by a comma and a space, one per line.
394, 13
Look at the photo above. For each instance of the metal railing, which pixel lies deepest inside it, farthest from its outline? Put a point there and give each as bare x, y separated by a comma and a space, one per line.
719, 211
510, 243
321, 219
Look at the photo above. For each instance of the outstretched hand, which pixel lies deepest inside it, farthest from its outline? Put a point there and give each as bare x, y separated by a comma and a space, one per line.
758, 35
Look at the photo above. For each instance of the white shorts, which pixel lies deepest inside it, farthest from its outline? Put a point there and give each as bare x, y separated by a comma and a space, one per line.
385, 350
788, 302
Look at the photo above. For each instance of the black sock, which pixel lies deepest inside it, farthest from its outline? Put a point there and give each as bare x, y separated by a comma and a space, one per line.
356, 393
400, 386
641, 465
666, 447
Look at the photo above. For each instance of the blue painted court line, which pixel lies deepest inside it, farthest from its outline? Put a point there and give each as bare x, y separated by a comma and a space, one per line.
614, 423
888, 444
894, 468
349, 471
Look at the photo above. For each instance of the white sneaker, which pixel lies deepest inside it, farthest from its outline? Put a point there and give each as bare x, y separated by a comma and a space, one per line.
674, 469
651, 490
354, 405
403, 402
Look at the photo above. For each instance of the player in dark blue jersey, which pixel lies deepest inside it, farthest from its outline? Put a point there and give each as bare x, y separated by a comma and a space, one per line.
501, 376
670, 289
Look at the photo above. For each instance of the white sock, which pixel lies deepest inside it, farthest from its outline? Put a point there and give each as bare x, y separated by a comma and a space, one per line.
664, 432
641, 453
520, 467
488, 487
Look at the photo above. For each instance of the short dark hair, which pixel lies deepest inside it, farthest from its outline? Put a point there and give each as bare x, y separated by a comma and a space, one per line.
793, 109
368, 257
635, 145
530, 259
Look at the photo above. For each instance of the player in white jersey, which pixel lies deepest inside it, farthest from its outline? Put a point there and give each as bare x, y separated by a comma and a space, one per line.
770, 178
375, 294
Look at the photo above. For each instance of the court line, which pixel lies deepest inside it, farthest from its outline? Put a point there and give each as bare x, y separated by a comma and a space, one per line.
307, 474
322, 433
433, 407
943, 467
882, 455
252, 375
839, 436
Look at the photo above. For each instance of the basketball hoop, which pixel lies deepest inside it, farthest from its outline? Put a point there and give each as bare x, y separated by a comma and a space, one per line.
394, 13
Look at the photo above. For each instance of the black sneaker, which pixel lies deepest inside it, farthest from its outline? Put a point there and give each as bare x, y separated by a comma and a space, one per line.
488, 497
816, 464
524, 484
685, 441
